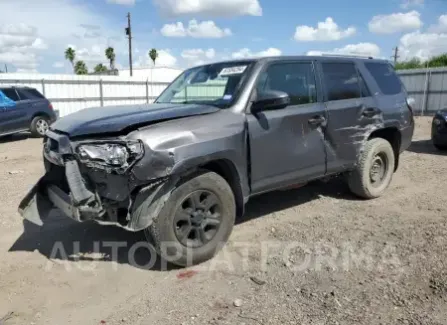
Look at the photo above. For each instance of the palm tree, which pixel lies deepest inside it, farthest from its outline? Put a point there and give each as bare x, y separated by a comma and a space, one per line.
153, 54
80, 68
110, 54
70, 55
100, 68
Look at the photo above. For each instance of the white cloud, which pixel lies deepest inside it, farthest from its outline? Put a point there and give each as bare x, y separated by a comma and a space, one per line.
326, 30
122, 2
24, 62
195, 54
165, 59
247, 53
41, 29
411, 3
19, 44
422, 45
204, 29
58, 64
210, 8
198, 56
441, 27
363, 49
397, 22
39, 44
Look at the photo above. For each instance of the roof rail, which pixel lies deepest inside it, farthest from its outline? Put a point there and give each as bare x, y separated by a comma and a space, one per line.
347, 55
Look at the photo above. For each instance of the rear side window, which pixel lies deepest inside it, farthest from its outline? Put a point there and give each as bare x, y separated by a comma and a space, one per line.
387, 80
296, 79
10, 93
341, 81
30, 93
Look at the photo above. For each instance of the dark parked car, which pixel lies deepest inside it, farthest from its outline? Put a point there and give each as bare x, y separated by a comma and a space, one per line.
183, 168
24, 109
439, 130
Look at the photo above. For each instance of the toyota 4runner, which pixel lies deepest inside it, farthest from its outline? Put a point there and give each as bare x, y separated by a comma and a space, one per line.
183, 168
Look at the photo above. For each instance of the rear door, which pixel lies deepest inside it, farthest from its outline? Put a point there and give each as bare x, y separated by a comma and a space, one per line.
351, 110
286, 145
12, 116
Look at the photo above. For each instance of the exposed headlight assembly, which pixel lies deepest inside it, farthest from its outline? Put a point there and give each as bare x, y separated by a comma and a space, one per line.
118, 155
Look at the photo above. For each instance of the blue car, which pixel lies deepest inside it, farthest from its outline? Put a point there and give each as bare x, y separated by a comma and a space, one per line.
24, 109
439, 130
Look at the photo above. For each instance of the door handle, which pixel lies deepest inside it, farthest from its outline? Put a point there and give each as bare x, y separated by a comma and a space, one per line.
370, 111
317, 120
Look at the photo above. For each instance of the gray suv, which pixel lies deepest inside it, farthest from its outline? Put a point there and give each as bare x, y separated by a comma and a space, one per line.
183, 168
24, 109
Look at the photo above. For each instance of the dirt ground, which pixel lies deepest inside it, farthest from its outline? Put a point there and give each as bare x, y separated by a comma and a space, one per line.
314, 255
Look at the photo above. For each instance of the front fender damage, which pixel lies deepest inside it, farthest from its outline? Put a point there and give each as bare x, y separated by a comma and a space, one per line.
149, 202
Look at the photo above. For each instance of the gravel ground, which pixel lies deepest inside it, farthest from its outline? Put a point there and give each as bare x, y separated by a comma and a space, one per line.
314, 255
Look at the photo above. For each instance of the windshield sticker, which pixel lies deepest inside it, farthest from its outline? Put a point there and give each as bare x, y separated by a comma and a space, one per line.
227, 97
232, 71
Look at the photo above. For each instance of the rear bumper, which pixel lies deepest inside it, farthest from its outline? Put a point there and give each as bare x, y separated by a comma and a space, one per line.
406, 137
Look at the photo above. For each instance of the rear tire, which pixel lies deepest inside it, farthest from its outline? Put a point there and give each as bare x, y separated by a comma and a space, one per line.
440, 146
39, 126
182, 223
374, 170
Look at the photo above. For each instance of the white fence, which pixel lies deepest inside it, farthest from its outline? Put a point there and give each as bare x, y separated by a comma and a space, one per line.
71, 93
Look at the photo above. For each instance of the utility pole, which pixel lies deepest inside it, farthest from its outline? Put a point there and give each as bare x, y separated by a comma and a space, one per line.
396, 54
129, 36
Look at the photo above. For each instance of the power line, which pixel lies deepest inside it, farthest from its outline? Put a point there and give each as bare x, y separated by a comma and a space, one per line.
129, 36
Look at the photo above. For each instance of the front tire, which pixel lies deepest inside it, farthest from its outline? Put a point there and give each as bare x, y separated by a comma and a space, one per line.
39, 126
374, 170
196, 220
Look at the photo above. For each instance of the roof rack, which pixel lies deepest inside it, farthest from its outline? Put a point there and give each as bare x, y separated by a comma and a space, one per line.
347, 55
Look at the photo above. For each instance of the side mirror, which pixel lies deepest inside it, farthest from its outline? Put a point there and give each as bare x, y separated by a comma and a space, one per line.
270, 100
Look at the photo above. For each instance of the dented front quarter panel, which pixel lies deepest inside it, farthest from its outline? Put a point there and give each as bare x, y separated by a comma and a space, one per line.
175, 147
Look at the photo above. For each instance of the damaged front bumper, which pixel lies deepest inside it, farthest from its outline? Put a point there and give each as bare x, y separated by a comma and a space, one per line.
44, 197
84, 193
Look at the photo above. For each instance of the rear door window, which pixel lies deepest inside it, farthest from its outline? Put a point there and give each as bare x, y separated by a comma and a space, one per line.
10, 93
387, 80
30, 94
341, 81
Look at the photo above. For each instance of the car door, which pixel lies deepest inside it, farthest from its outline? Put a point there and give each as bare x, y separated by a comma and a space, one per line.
286, 145
351, 110
12, 112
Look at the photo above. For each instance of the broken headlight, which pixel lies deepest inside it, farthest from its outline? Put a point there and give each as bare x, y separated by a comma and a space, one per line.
113, 154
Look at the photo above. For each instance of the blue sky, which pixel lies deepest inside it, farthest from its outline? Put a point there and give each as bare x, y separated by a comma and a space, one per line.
33, 35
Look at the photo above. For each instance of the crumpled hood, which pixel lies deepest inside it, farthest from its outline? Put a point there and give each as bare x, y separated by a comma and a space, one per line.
108, 119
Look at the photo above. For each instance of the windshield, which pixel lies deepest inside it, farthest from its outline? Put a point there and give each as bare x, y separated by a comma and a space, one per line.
214, 84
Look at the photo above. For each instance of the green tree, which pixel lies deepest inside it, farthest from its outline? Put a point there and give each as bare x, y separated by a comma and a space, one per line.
415, 63
80, 68
100, 68
153, 54
70, 55
411, 64
110, 55
438, 61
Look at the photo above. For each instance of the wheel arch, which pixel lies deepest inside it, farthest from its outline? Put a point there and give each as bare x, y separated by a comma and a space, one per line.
393, 136
228, 171
39, 113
